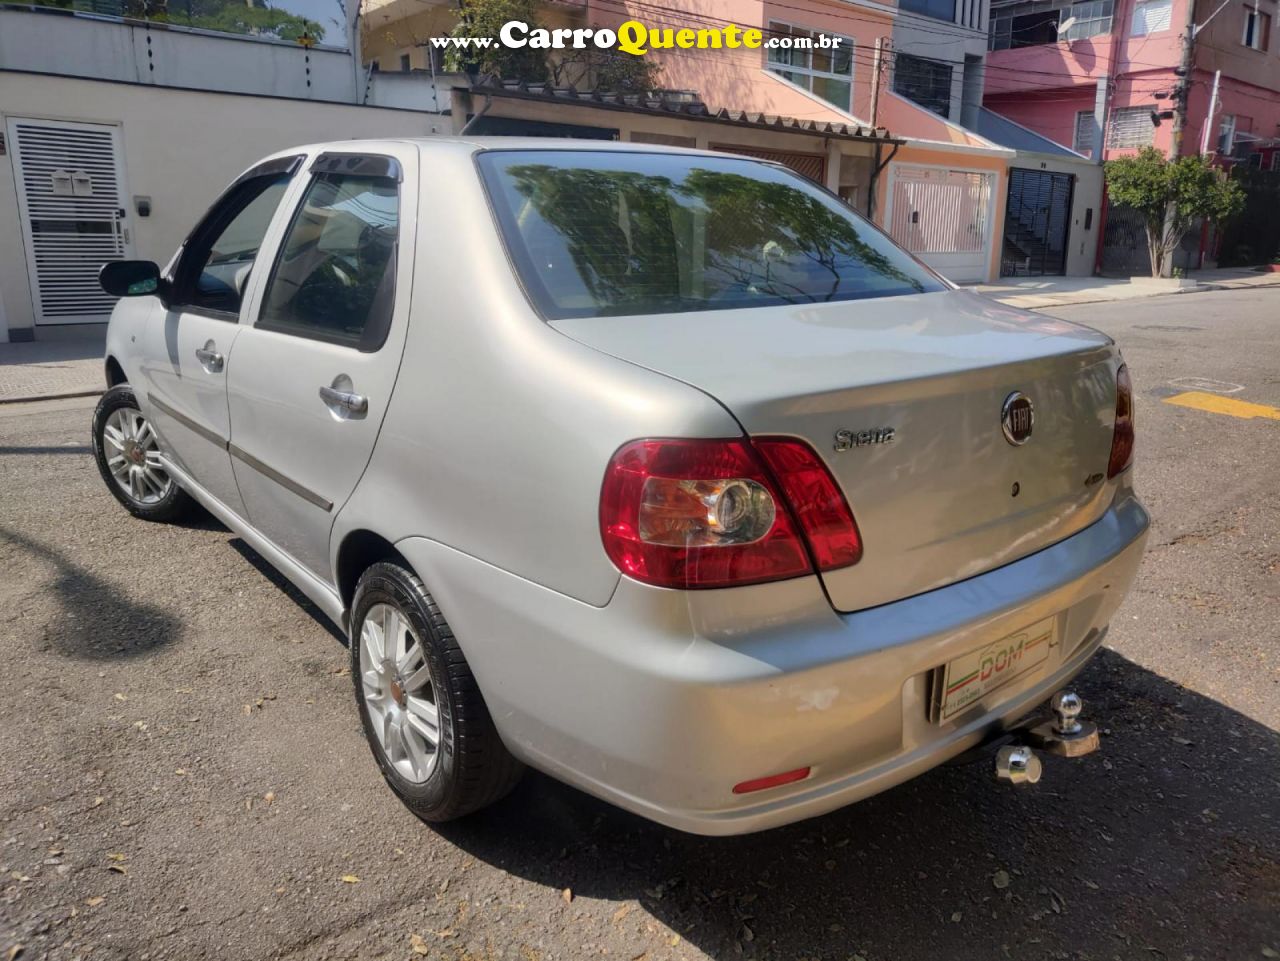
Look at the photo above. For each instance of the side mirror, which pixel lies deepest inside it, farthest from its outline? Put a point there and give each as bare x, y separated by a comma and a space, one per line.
129, 278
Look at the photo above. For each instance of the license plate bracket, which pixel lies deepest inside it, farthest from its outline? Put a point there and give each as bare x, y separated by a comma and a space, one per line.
967, 679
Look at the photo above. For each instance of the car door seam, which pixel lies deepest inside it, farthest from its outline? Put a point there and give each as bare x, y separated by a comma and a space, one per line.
194, 426
272, 474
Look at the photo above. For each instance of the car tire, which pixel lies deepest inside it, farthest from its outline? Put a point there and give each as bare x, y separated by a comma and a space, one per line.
412, 680
126, 450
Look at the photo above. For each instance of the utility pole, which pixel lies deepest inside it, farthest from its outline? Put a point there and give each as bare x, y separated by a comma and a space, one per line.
877, 68
1182, 92
1213, 109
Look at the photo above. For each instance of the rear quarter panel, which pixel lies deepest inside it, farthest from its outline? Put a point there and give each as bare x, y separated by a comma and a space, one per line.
499, 429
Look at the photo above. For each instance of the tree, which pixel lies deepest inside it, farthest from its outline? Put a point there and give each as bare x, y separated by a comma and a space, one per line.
484, 18
610, 71
1171, 196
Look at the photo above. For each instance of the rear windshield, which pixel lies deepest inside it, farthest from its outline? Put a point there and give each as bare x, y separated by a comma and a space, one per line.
596, 234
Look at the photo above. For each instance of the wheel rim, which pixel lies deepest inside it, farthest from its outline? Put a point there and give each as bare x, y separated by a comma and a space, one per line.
133, 456
398, 693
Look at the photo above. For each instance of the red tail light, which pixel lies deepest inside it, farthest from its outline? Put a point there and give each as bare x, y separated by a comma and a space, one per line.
710, 513
1122, 439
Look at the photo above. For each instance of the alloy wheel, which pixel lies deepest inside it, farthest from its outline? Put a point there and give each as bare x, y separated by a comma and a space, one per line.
133, 456
398, 693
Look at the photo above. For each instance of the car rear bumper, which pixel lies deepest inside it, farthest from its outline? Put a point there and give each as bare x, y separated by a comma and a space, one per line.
662, 701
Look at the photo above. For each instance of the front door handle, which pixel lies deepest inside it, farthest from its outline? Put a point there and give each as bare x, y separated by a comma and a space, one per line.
209, 358
344, 400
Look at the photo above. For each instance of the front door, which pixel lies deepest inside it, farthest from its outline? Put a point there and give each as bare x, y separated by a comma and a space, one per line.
191, 336
313, 374
72, 208
1036, 220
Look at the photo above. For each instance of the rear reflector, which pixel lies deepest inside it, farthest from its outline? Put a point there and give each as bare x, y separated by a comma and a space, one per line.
1122, 439
773, 780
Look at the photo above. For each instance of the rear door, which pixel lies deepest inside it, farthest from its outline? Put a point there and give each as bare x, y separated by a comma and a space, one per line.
188, 352
314, 372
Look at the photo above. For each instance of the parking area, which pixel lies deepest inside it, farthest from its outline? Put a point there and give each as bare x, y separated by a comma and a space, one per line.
182, 772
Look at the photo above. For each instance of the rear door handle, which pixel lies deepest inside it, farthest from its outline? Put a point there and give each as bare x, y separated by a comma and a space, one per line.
209, 358
344, 400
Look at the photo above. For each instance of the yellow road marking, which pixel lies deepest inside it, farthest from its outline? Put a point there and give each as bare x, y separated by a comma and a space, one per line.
1217, 404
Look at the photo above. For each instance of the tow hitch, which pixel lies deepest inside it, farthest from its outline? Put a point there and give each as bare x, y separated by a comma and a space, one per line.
1066, 736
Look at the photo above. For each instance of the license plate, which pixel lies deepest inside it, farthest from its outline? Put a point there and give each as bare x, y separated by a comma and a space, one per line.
972, 676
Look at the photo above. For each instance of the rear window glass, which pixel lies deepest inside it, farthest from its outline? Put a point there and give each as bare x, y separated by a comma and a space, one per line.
598, 234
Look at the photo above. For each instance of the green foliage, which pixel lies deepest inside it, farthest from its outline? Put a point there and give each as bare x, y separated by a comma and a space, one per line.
611, 71
484, 18
1171, 196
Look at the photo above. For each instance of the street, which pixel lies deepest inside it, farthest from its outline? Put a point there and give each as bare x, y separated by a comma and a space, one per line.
183, 774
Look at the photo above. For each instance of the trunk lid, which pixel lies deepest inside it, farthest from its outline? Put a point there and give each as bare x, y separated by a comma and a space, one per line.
936, 504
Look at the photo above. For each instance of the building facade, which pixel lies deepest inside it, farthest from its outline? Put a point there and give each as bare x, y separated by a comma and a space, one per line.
1099, 76
117, 133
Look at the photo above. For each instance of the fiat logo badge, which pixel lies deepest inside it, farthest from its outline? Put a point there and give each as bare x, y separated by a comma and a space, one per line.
1017, 418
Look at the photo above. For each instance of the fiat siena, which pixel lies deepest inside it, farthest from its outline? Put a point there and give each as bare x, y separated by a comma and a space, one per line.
660, 471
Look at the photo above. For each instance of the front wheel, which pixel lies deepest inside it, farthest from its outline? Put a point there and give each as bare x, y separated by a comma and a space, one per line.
421, 708
127, 452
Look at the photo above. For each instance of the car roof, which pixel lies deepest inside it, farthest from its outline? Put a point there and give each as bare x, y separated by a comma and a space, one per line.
476, 144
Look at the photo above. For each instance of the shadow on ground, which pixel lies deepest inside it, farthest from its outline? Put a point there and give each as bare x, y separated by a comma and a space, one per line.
282, 583
96, 619
1162, 846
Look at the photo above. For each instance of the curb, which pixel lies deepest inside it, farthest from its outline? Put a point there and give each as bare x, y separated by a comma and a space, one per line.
1198, 289
63, 396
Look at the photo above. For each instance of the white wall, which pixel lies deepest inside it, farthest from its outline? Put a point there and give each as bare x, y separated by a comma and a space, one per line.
110, 50
181, 148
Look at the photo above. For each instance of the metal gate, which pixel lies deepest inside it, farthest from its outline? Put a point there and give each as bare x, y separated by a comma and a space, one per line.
1036, 222
71, 203
944, 217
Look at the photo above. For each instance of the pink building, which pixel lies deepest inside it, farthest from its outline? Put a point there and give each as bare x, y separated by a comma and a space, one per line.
1067, 70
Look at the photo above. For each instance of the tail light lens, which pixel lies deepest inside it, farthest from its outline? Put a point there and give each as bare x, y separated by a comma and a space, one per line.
1122, 439
710, 513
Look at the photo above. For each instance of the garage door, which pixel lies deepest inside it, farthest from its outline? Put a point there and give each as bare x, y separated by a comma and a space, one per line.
811, 165
943, 217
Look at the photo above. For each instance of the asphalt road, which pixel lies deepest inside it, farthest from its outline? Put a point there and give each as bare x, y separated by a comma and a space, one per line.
182, 774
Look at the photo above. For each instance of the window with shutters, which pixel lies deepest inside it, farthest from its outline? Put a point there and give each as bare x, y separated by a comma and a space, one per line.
1131, 127
1084, 140
1151, 16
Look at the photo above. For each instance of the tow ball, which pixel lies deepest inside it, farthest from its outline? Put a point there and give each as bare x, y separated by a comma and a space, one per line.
1066, 736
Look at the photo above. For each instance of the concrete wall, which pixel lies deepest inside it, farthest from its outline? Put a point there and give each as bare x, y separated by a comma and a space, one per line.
135, 52
180, 148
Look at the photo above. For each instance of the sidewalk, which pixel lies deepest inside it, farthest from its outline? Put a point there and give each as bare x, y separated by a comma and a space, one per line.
1033, 292
44, 369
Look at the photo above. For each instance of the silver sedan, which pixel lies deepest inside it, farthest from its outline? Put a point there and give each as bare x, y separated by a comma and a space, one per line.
660, 471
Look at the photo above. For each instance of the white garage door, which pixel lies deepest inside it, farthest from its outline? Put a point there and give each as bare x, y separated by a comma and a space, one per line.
943, 217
